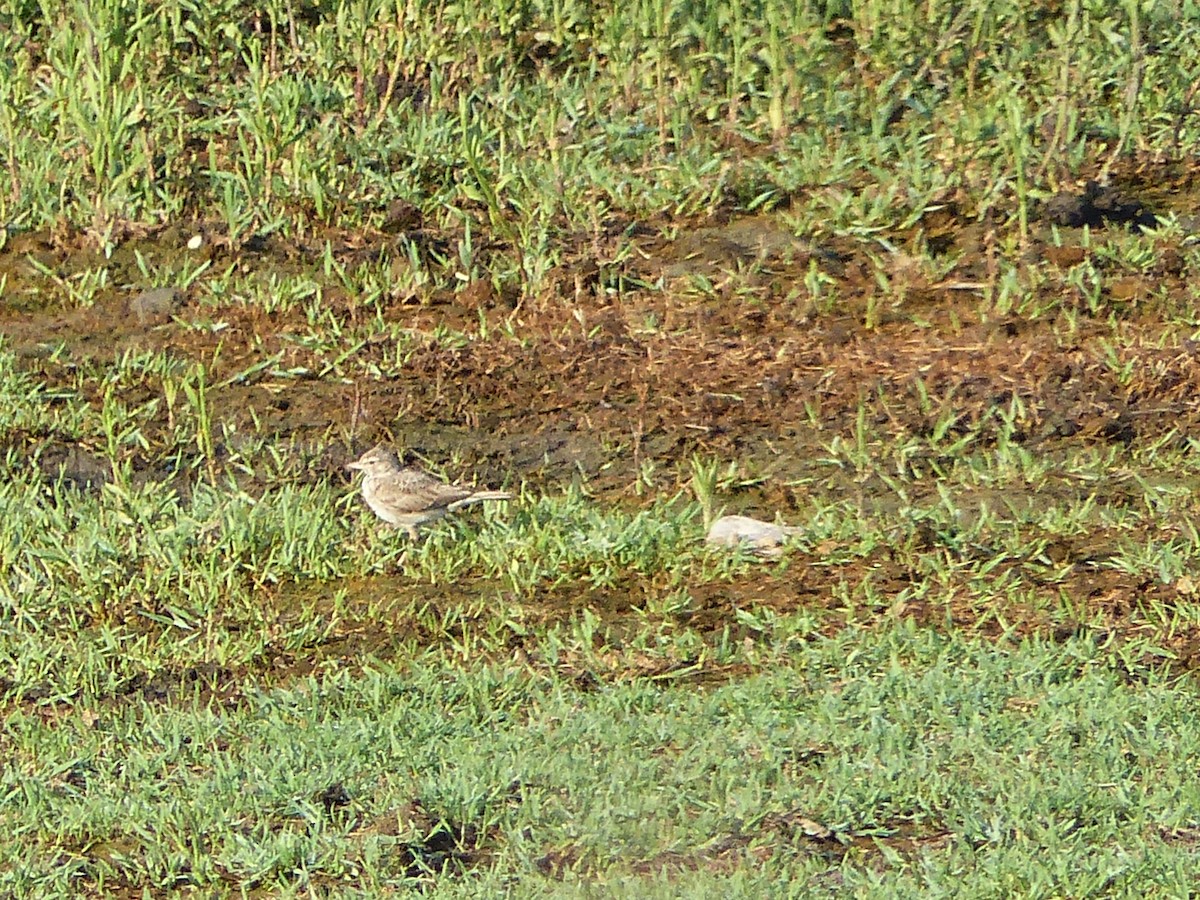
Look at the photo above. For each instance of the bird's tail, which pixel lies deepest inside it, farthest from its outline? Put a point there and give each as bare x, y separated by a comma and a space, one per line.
478, 497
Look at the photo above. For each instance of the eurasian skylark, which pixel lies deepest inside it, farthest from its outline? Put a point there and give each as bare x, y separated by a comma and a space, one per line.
407, 497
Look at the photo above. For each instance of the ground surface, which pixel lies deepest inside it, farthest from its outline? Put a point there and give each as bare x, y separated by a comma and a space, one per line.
637, 266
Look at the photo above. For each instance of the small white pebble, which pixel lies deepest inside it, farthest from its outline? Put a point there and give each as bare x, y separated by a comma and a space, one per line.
761, 537
195, 242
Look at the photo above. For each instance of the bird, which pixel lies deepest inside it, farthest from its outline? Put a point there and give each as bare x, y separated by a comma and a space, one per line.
406, 497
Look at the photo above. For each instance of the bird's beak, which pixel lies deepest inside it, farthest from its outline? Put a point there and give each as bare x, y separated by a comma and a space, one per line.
355, 465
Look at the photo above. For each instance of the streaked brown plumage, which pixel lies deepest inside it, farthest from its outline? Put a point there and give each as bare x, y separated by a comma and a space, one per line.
407, 497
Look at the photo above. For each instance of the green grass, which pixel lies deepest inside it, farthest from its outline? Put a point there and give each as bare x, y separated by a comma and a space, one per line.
530, 120
638, 264
161, 736
920, 763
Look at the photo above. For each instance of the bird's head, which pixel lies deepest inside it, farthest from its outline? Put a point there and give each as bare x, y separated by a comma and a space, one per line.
377, 461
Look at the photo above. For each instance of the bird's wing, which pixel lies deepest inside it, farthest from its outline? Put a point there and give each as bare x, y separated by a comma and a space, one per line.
411, 491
